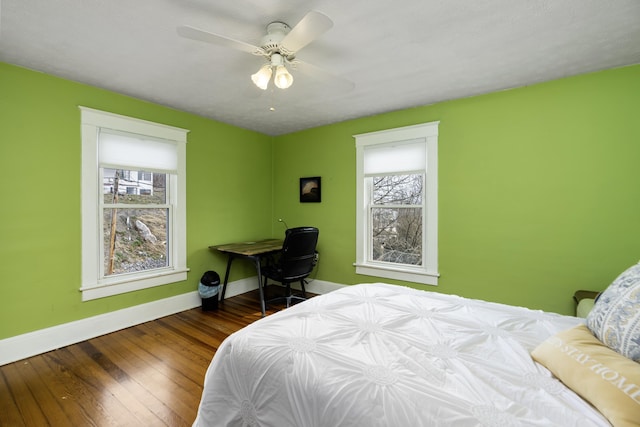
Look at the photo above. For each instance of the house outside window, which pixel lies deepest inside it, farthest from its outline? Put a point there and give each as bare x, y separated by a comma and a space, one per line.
397, 204
133, 204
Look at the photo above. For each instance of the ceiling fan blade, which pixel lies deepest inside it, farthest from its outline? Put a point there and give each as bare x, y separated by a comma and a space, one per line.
193, 33
340, 84
312, 26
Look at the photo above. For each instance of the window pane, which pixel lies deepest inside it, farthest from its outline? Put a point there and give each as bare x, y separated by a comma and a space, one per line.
398, 189
135, 240
134, 187
397, 235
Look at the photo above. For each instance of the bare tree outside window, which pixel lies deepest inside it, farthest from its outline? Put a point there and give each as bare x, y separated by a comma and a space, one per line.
396, 218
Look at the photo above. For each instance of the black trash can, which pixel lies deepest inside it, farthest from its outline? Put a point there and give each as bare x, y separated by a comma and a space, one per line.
209, 288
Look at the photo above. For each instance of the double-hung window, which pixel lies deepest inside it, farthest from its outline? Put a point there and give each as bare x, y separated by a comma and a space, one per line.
133, 204
397, 197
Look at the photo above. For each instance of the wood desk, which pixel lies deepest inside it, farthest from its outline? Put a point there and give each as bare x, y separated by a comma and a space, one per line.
252, 251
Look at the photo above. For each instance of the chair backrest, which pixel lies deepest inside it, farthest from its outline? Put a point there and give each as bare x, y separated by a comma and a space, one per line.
298, 252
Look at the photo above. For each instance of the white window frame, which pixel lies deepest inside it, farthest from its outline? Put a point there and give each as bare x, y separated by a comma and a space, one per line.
94, 285
427, 273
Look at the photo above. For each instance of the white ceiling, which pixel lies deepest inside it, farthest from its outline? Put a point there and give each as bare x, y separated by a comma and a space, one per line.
399, 54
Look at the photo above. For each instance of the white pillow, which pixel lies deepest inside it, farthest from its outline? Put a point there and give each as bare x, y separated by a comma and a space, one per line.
615, 317
584, 307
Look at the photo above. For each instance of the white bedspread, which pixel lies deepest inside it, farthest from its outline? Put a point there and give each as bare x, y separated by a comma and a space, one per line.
382, 355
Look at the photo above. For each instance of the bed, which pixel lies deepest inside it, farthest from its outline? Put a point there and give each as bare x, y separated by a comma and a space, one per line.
385, 355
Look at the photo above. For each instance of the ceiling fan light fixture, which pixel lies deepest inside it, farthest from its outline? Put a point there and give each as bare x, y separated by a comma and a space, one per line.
279, 46
283, 78
262, 77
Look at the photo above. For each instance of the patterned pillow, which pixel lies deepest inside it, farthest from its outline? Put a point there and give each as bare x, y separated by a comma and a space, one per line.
615, 318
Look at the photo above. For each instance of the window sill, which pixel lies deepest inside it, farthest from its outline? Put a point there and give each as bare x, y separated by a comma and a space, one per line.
422, 277
130, 284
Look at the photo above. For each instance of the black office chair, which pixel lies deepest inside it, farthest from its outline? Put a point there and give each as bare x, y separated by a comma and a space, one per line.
295, 262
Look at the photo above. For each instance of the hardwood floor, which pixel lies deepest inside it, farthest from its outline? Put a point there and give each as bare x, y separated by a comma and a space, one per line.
147, 375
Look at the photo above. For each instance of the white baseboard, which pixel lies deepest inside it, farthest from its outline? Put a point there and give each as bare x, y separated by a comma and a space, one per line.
319, 286
241, 286
43, 340
37, 342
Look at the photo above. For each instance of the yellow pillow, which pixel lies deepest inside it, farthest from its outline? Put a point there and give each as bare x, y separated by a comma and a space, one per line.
608, 380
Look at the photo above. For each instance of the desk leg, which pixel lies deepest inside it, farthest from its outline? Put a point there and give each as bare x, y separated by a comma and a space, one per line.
256, 260
226, 277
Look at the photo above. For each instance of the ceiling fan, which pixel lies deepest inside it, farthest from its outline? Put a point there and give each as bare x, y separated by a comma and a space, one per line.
279, 47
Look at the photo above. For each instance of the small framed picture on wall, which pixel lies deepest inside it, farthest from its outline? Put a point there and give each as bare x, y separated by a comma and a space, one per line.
310, 190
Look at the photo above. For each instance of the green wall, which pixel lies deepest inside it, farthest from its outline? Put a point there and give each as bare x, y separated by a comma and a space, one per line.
538, 192
40, 208
539, 189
